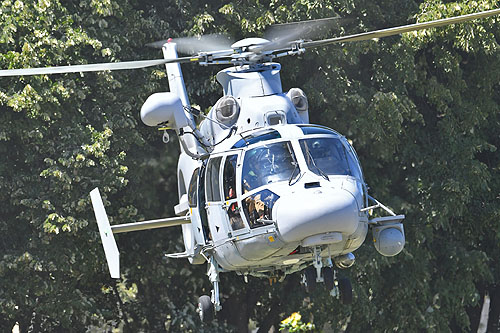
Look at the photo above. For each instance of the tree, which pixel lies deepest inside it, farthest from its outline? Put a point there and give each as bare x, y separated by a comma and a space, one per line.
421, 110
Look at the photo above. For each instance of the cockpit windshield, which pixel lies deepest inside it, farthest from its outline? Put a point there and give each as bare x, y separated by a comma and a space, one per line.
268, 164
326, 156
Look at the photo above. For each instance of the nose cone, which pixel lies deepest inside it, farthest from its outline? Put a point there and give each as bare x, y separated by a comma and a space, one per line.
312, 212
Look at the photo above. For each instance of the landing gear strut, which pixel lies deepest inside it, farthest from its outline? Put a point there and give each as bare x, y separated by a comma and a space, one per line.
209, 305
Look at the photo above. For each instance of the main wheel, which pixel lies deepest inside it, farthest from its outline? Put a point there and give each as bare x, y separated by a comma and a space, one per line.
310, 273
205, 308
345, 289
328, 277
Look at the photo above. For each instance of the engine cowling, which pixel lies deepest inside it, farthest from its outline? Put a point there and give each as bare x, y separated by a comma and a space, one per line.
164, 109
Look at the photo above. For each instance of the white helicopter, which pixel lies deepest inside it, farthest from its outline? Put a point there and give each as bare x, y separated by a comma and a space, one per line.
262, 192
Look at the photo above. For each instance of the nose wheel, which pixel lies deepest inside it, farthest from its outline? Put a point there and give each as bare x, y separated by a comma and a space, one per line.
345, 290
328, 277
206, 309
310, 279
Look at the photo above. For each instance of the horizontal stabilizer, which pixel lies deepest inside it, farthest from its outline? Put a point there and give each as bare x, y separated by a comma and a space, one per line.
179, 255
107, 238
152, 224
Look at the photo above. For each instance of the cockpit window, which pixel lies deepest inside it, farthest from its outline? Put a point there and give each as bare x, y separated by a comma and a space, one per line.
257, 137
266, 164
325, 156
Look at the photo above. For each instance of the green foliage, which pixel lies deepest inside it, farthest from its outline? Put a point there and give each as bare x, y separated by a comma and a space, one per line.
421, 110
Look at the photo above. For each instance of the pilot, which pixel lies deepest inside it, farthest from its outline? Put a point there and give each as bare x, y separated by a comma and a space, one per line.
327, 157
250, 180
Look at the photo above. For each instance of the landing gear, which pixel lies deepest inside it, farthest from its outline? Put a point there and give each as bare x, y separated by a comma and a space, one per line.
328, 277
345, 291
209, 305
322, 271
206, 309
310, 279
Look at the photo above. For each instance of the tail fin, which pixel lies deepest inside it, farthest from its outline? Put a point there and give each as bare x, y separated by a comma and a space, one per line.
107, 238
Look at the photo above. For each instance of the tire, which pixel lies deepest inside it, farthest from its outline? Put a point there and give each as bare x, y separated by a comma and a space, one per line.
328, 277
206, 309
310, 273
345, 289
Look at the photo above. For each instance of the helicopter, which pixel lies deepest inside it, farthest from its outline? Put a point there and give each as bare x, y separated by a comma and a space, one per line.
262, 192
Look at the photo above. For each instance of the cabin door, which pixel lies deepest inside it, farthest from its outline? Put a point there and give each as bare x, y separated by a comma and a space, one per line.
231, 202
216, 214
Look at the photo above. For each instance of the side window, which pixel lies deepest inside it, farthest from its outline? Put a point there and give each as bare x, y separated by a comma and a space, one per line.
193, 189
212, 180
235, 220
229, 186
258, 208
229, 177
354, 162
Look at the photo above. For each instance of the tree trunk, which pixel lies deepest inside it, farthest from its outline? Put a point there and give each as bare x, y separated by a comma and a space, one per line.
483, 318
494, 316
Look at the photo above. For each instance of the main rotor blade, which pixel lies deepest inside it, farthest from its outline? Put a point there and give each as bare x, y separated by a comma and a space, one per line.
399, 30
110, 66
280, 35
195, 44
205, 43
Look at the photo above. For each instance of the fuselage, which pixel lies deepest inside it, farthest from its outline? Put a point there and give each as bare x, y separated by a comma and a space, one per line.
266, 196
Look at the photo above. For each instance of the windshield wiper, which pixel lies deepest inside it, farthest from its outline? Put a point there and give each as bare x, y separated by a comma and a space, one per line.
322, 174
295, 163
293, 173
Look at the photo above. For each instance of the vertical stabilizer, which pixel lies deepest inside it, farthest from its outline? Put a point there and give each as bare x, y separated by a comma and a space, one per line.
175, 78
177, 86
107, 238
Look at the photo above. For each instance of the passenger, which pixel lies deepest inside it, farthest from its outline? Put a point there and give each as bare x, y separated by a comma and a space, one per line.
256, 209
260, 206
234, 217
